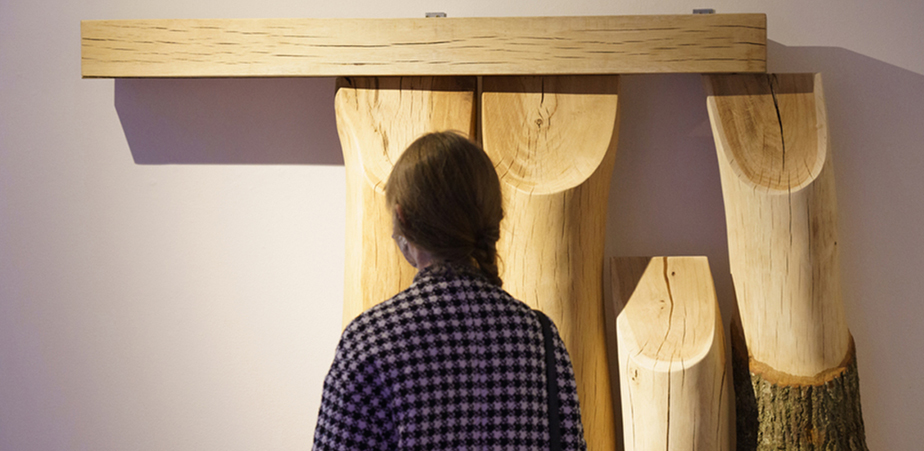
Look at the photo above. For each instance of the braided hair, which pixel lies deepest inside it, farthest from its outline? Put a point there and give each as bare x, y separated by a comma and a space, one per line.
450, 200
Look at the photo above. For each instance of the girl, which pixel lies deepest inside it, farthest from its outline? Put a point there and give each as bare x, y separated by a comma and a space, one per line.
452, 362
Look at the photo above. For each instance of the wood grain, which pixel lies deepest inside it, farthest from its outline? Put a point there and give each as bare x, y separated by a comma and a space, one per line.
553, 141
715, 43
377, 118
772, 144
674, 386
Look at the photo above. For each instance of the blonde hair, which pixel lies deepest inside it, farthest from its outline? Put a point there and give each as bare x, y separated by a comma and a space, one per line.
450, 200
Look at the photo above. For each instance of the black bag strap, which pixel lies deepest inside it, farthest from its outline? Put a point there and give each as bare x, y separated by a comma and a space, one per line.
551, 379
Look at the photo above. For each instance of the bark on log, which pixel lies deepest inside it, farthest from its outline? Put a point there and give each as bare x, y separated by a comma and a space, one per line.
553, 141
671, 355
778, 411
796, 384
377, 118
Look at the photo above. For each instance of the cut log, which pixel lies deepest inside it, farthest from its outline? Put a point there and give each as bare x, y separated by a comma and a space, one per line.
377, 118
774, 159
771, 138
673, 380
780, 411
553, 141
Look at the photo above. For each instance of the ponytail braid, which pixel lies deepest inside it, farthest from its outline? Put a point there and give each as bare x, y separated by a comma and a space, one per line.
485, 256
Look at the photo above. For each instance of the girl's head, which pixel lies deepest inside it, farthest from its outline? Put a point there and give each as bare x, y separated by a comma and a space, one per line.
446, 198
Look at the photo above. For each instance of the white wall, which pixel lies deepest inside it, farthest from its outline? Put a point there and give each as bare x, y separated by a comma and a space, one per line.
171, 252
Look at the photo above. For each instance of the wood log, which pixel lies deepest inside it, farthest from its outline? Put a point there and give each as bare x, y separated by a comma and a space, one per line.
673, 380
449, 46
780, 411
377, 118
771, 138
774, 159
553, 141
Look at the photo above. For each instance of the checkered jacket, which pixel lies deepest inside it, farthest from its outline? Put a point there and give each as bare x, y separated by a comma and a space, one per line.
451, 363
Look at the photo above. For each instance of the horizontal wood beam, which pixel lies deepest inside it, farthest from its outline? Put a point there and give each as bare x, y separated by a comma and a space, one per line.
696, 43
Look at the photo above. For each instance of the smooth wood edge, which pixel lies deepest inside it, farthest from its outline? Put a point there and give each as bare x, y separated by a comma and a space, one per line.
574, 165
647, 434
776, 377
624, 325
550, 45
721, 137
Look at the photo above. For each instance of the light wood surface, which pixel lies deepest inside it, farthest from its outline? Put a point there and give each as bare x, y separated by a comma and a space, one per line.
553, 141
772, 143
673, 380
377, 118
699, 43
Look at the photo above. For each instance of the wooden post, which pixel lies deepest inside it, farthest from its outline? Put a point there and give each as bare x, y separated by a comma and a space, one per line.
553, 141
377, 118
778, 184
673, 379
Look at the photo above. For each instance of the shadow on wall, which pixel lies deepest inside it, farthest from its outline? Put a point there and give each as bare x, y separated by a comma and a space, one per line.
876, 121
229, 121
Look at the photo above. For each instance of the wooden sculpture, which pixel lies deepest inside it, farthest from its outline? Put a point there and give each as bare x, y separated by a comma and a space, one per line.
553, 141
377, 118
672, 373
778, 184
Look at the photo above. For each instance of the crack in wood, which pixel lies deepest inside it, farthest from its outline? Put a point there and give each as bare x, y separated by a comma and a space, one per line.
771, 80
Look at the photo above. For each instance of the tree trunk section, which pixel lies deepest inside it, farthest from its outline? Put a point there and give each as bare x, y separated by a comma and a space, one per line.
778, 186
674, 385
778, 411
777, 176
553, 142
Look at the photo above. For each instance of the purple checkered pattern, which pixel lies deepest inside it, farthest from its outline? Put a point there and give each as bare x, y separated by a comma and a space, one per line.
451, 363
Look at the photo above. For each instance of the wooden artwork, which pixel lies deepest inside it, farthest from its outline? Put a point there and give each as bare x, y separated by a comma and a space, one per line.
377, 118
778, 184
674, 386
710, 43
553, 142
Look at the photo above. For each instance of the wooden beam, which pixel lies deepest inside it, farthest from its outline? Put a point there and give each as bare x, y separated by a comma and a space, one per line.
700, 43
